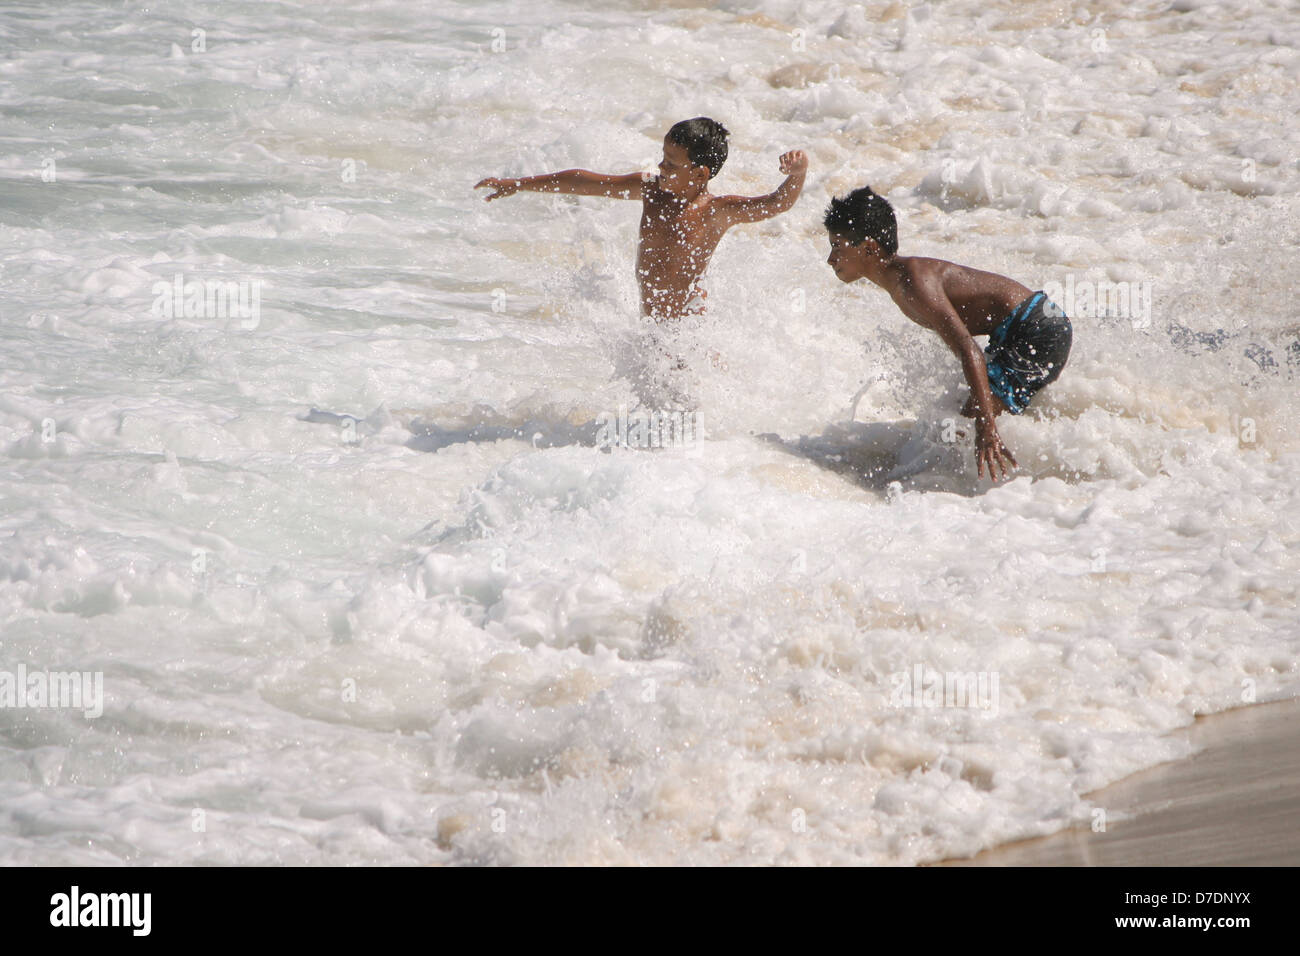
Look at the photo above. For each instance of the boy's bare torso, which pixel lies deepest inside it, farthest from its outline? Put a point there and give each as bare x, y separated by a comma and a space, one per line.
677, 239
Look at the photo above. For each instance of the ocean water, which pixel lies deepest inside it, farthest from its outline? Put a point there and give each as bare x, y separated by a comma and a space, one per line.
432, 623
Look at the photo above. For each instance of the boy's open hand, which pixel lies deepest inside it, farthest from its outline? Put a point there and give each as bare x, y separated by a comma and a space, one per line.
794, 162
503, 187
989, 451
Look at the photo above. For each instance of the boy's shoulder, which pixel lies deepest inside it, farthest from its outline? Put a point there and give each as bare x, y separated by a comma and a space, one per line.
926, 265
923, 272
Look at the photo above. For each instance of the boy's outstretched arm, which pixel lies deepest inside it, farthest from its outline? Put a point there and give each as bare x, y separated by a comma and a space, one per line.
575, 182
941, 317
738, 209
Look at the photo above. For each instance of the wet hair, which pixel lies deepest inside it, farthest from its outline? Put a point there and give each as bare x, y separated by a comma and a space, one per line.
863, 215
704, 140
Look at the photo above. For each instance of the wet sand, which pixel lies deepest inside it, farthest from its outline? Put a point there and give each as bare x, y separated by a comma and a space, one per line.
1235, 802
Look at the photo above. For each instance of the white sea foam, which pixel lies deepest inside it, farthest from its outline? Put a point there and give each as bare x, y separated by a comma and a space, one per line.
434, 621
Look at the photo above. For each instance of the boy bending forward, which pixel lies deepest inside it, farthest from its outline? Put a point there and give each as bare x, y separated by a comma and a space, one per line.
1029, 336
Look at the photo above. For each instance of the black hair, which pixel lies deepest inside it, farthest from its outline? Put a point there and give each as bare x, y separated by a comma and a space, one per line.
704, 140
863, 215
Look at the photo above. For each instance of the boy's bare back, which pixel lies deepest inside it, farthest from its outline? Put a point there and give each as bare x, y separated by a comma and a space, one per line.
980, 299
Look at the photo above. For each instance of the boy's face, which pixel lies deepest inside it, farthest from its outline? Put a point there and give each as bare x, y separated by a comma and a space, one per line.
849, 261
677, 174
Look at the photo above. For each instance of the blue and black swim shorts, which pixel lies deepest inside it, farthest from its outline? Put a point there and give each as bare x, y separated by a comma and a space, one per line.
1027, 351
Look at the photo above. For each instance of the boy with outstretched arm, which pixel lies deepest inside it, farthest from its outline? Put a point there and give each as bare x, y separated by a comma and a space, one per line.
1029, 336
681, 222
